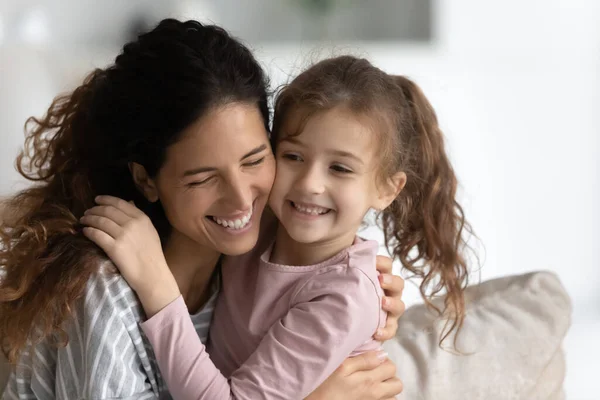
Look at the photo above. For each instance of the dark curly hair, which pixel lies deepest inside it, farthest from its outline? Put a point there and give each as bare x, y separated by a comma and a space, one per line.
129, 112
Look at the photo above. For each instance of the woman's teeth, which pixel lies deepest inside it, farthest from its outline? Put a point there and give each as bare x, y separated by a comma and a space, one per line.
238, 223
310, 210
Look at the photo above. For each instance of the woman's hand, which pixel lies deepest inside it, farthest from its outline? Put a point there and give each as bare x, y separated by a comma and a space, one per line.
129, 238
392, 302
369, 376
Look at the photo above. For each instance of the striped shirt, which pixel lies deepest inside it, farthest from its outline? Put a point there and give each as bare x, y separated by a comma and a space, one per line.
108, 355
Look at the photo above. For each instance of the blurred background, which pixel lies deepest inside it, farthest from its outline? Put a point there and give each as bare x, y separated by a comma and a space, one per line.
515, 83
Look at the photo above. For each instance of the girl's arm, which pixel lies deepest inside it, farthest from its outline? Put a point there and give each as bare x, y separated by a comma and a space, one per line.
296, 355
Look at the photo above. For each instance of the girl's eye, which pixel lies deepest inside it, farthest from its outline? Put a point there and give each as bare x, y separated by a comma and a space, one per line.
254, 163
292, 157
200, 183
341, 169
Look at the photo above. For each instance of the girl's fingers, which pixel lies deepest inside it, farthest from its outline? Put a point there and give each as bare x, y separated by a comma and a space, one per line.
102, 239
110, 212
103, 224
126, 207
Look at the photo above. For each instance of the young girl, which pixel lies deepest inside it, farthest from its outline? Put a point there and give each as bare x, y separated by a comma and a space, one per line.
348, 138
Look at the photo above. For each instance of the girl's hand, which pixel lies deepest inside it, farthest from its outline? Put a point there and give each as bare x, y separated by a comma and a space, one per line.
392, 302
369, 376
128, 237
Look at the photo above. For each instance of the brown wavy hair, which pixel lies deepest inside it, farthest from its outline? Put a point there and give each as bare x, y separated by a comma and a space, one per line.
129, 112
424, 226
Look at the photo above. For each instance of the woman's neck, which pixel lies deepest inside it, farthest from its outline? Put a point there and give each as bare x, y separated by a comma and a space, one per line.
192, 266
287, 251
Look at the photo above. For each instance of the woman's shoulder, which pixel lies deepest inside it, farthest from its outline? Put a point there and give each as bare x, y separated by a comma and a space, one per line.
108, 296
104, 336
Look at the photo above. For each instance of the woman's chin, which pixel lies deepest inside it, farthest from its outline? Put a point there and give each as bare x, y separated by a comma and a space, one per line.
238, 248
232, 242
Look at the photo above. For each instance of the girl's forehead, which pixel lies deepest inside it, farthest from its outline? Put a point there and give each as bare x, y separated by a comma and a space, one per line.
336, 135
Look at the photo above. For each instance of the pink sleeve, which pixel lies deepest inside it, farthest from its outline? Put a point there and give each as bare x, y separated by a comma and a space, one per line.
182, 358
333, 314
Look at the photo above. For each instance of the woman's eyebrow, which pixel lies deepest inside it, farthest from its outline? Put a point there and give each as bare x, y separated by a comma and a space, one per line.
200, 170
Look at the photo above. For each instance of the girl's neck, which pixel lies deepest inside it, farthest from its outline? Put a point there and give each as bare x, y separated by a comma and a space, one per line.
193, 266
287, 251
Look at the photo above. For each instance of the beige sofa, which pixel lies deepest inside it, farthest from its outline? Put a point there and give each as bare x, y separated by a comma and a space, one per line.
511, 341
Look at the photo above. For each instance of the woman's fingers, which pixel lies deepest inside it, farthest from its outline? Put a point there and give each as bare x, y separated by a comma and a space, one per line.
394, 306
385, 384
363, 362
392, 284
384, 371
384, 264
388, 332
389, 389
393, 287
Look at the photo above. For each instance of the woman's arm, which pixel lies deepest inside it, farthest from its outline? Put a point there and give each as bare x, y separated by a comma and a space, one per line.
368, 376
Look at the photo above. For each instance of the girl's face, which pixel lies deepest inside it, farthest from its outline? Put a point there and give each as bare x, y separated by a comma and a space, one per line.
326, 178
216, 179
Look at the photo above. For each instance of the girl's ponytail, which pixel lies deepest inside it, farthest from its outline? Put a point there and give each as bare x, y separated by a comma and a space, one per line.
424, 225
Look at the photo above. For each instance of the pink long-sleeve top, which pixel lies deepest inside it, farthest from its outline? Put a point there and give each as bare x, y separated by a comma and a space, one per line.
278, 331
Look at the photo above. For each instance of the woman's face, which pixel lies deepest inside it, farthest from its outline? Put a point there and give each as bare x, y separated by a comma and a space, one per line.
216, 179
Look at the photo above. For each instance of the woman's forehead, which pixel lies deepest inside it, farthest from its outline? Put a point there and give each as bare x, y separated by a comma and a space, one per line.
222, 135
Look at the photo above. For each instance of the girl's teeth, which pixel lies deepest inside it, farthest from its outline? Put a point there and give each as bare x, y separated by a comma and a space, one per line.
311, 211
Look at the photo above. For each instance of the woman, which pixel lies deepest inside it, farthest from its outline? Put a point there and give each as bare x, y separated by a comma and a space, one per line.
178, 125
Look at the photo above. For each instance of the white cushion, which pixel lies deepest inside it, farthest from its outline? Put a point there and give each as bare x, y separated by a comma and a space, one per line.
512, 337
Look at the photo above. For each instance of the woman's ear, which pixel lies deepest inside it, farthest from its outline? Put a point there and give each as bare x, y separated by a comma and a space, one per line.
388, 191
143, 182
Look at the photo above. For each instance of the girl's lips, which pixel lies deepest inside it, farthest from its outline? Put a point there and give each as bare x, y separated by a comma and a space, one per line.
304, 215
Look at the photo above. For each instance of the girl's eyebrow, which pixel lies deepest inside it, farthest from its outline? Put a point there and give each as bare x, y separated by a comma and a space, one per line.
335, 152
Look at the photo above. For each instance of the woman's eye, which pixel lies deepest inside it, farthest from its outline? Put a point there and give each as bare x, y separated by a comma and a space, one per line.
200, 183
254, 163
341, 169
292, 157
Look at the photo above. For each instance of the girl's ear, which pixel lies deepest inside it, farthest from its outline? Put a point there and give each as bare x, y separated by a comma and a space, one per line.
388, 191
